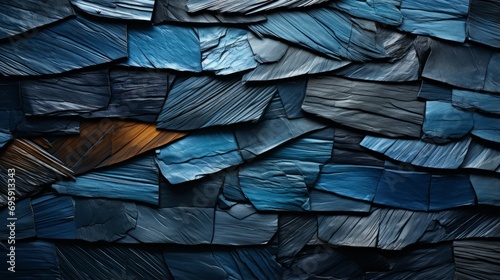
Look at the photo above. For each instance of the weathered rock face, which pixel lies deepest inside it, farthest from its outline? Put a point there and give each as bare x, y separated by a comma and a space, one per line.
250, 139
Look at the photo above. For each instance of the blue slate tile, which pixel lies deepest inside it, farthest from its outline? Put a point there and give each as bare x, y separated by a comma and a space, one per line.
292, 94
177, 11
71, 94
483, 24
246, 7
129, 10
36, 126
198, 102
225, 51
267, 50
65, 46
483, 156
402, 66
328, 202
54, 217
103, 219
352, 181
86, 260
275, 186
422, 262
277, 60
390, 109
219, 263
194, 265
135, 94
448, 191
201, 193
315, 147
243, 225
434, 91
323, 262
294, 232
483, 102
470, 67
349, 230
179, 225
348, 151
354, 39
249, 263
34, 259
11, 109
476, 258
199, 154
419, 153
232, 189
401, 228
462, 223
135, 179
164, 47
403, 189
444, 122
30, 16
444, 19
275, 109
385, 11
280, 179
5, 137
486, 127
24, 223
256, 139
486, 188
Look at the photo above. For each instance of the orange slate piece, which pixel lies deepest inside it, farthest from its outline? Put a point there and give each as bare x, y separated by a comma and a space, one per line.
106, 142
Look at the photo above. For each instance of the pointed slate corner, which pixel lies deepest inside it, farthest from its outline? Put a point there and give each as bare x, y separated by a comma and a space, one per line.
66, 46
198, 102
17, 17
129, 10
